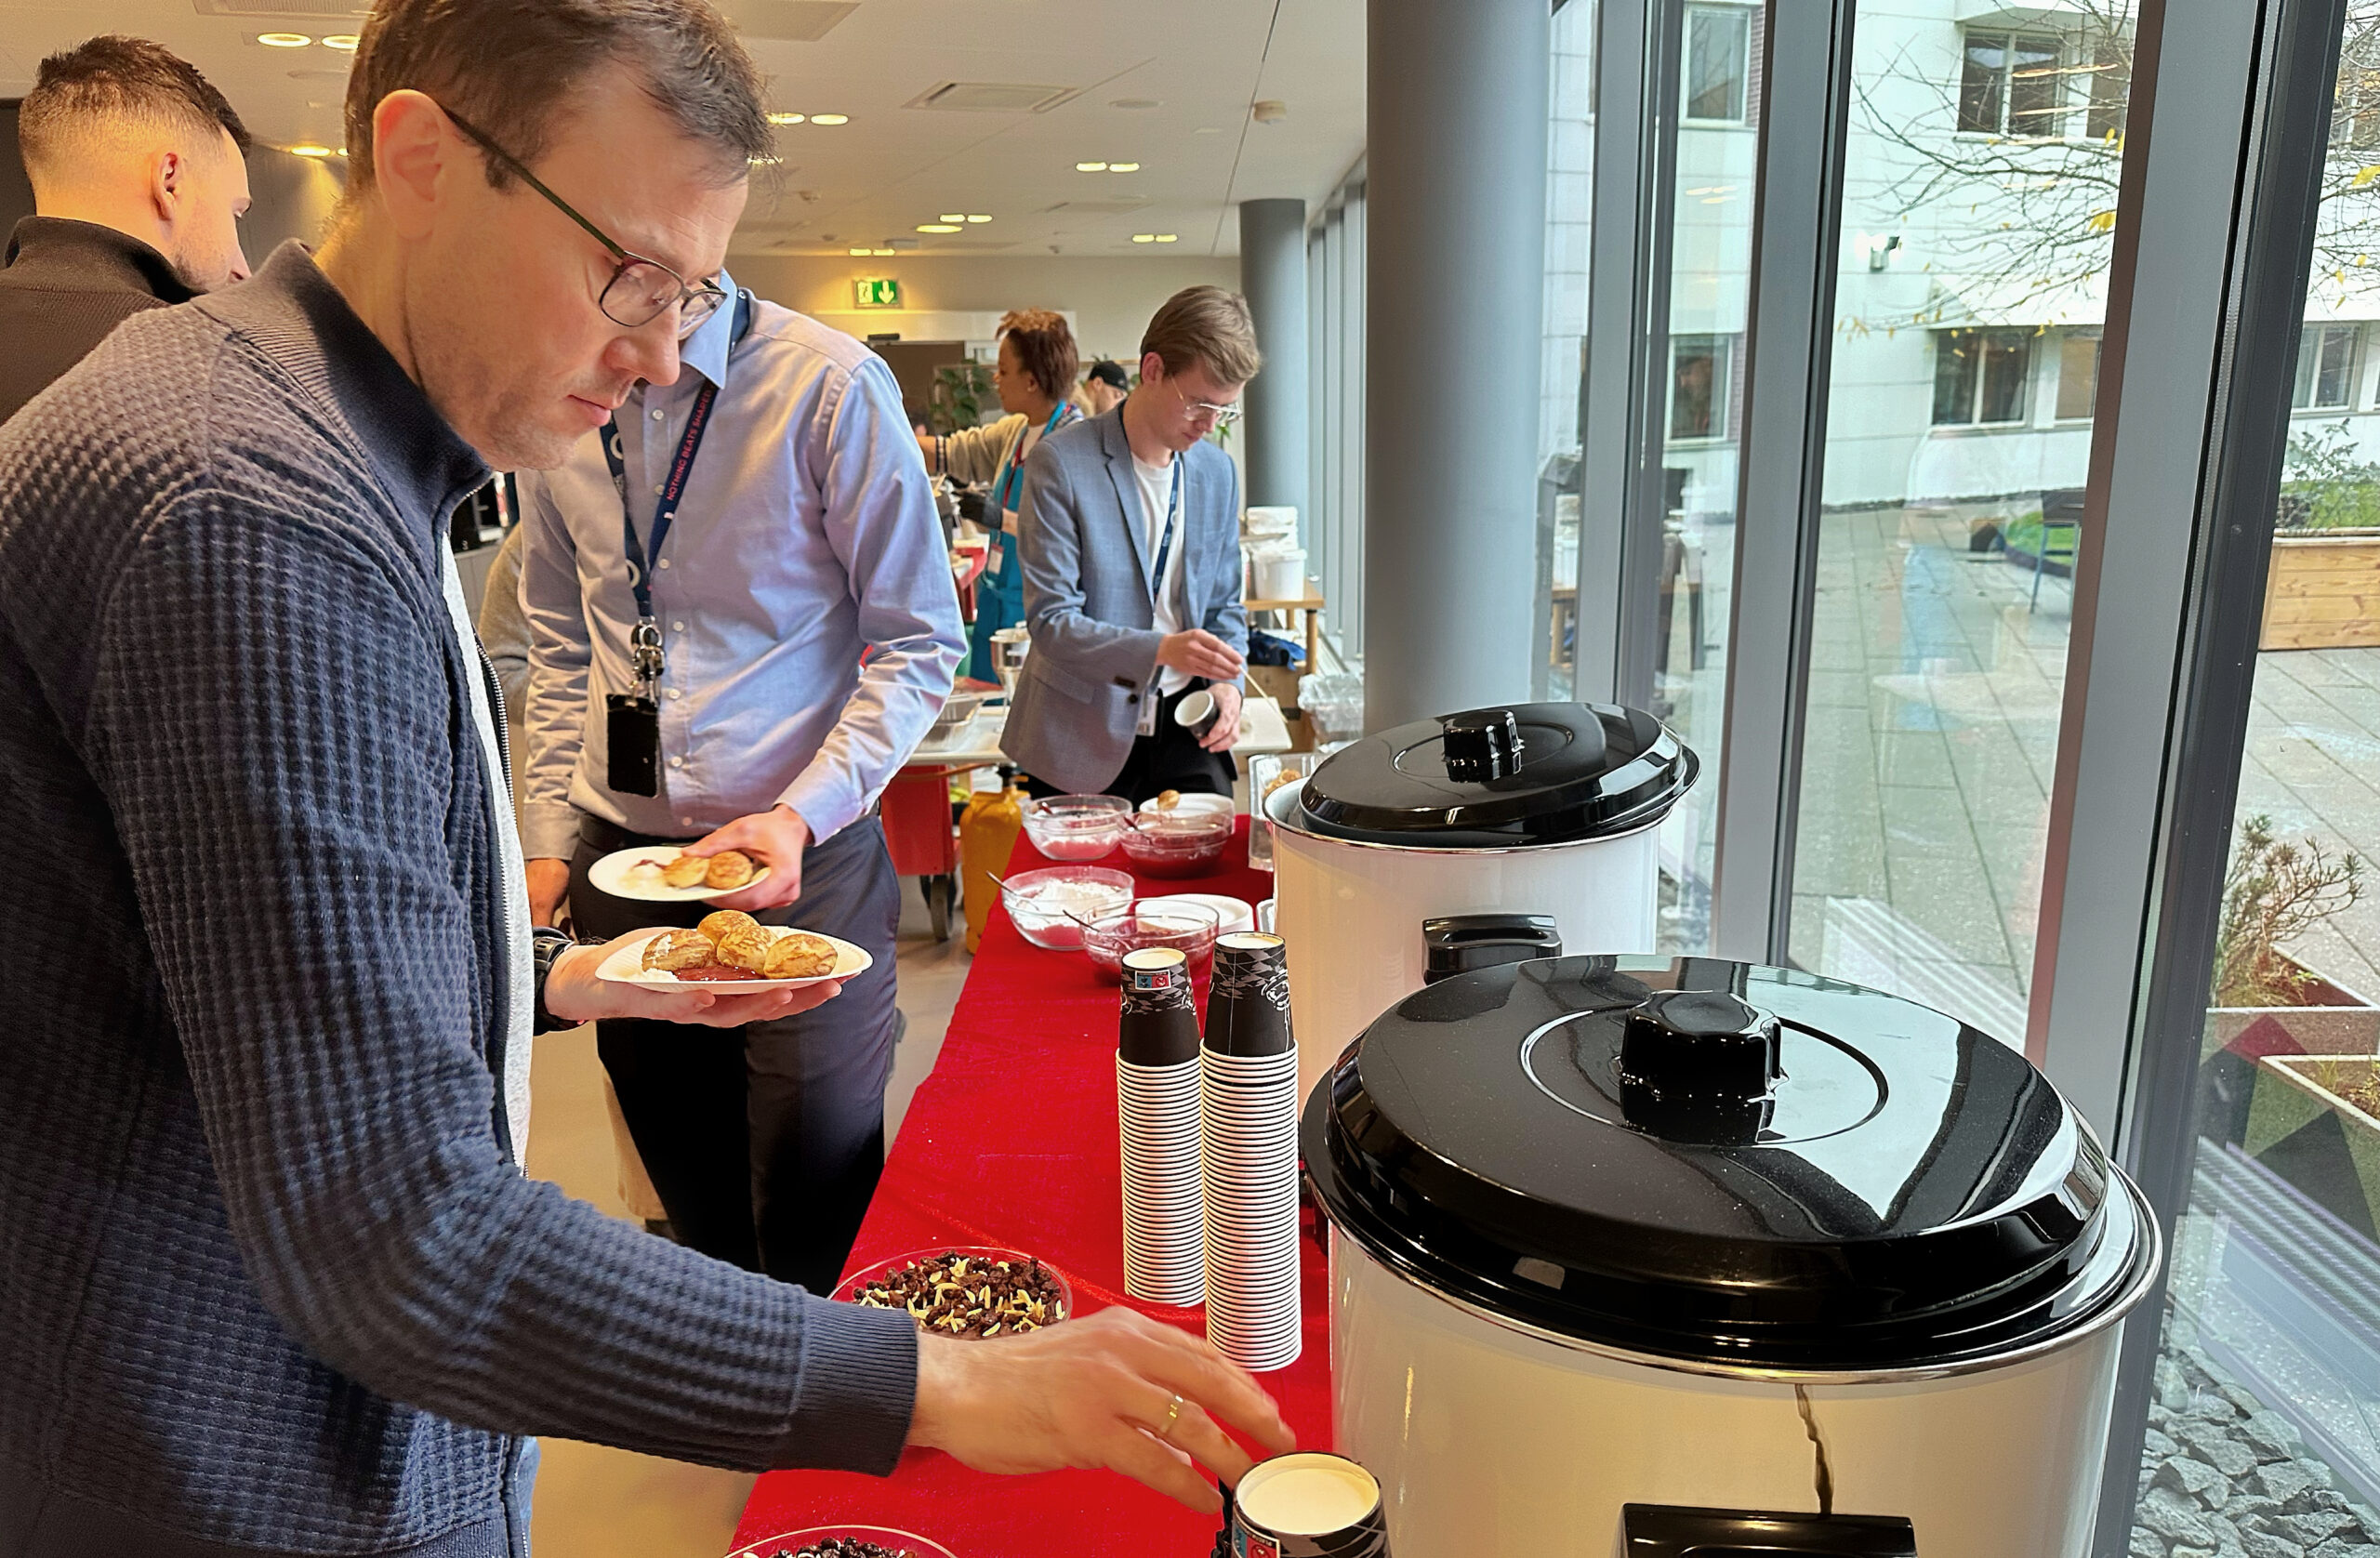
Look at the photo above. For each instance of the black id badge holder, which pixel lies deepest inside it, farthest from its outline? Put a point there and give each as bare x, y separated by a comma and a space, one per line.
633, 721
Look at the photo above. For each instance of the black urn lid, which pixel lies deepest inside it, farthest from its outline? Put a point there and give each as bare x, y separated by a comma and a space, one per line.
1724, 1164
1500, 778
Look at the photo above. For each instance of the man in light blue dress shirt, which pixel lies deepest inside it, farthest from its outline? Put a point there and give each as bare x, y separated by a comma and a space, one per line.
805, 540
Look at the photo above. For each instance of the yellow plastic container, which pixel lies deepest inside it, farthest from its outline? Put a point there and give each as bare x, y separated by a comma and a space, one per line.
988, 831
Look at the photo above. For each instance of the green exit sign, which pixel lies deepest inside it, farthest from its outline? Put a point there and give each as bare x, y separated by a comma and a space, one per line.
877, 292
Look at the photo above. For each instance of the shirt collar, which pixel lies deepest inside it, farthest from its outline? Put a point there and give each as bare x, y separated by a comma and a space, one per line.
706, 351
87, 255
293, 313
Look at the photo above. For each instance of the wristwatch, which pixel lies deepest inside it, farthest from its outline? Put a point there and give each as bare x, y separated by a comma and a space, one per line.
546, 944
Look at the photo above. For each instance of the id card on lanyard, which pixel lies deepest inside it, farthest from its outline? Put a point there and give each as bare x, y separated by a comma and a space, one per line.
633, 721
1151, 696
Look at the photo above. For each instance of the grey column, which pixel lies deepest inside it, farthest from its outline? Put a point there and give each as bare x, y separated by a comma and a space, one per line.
1455, 283
1272, 274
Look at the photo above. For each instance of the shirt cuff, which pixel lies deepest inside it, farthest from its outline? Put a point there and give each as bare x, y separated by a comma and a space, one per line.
824, 802
548, 831
857, 1389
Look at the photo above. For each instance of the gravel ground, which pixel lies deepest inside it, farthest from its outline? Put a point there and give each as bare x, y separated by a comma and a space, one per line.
2226, 1477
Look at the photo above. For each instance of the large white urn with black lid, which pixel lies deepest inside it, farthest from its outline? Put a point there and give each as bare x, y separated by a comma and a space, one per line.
1648, 1257
1541, 815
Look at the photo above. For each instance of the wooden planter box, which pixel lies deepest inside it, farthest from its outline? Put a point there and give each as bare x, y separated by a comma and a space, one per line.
2323, 591
2318, 1141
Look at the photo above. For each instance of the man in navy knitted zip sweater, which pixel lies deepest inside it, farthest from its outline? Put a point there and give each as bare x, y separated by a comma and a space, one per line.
271, 1279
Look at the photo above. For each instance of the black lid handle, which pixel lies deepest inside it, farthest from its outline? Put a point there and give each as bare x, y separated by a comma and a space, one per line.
1701, 1042
1482, 743
1460, 944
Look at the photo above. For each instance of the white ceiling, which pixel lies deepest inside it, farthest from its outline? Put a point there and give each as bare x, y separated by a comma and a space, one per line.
893, 167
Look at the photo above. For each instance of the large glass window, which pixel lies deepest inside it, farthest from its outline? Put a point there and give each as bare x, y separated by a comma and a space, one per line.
1569, 213
1975, 238
2270, 1370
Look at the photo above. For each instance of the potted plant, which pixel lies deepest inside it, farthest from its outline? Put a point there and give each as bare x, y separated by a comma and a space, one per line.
2270, 1013
2323, 588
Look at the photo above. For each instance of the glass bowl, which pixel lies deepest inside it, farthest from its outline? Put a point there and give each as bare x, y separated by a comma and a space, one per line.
880, 1536
1189, 927
1050, 907
847, 1290
1075, 828
1177, 843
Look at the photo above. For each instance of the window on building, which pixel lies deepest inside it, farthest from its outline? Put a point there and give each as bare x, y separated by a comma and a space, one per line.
2325, 368
1699, 386
2012, 84
1979, 377
2111, 88
1718, 60
2078, 376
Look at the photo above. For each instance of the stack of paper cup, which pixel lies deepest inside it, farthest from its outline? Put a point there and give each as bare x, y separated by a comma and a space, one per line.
1248, 1099
1156, 1109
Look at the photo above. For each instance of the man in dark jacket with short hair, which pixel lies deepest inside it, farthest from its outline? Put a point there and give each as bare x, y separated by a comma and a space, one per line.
138, 187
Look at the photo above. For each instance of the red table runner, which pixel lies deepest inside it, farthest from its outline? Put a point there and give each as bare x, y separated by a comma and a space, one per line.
1012, 1140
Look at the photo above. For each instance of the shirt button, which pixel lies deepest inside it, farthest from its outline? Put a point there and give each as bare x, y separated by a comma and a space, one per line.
656, 416
677, 762
675, 694
657, 489
665, 562
676, 627
685, 822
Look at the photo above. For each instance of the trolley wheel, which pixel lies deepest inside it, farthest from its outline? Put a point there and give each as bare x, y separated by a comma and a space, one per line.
942, 894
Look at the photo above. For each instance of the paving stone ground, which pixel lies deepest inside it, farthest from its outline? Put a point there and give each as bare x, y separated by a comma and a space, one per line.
2226, 1477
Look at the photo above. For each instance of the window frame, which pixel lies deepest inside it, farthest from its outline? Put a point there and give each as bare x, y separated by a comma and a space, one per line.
1985, 337
2005, 84
2309, 369
1741, 16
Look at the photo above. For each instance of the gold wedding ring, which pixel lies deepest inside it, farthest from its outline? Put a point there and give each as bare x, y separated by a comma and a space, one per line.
1172, 1416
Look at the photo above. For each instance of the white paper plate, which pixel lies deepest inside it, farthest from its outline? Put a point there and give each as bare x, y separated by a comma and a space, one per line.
624, 965
616, 874
1231, 913
1186, 804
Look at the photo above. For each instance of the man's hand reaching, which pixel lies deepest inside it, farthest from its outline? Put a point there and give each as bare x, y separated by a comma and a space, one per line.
774, 839
1096, 1391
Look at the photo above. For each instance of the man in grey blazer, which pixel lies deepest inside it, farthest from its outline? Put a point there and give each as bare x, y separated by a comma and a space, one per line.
1129, 538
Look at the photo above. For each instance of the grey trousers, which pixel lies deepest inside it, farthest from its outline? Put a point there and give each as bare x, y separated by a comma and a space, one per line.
765, 1143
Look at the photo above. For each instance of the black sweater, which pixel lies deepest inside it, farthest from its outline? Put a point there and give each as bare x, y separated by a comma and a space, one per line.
67, 284
269, 1278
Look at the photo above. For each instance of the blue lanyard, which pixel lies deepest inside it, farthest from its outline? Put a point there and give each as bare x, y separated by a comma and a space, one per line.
1165, 546
640, 557
1011, 486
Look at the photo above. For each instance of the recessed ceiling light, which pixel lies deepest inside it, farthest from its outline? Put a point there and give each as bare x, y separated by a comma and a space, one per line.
343, 42
1123, 167
283, 40
308, 148
1090, 167
1207, 129
862, 251
883, 254
937, 227
1132, 102
1144, 238
979, 218
784, 118
830, 118
954, 216
1167, 237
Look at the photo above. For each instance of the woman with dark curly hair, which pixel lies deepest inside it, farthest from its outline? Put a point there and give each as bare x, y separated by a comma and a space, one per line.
1035, 373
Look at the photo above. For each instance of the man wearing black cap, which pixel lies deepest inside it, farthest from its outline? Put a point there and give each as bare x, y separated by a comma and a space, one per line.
138, 185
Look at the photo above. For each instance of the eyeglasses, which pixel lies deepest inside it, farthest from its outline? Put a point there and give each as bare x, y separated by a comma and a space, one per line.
641, 290
1224, 415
